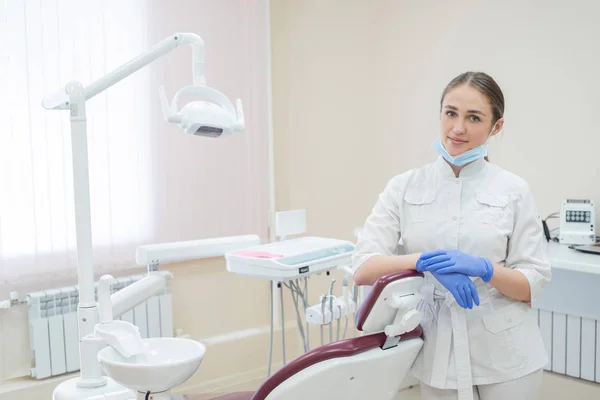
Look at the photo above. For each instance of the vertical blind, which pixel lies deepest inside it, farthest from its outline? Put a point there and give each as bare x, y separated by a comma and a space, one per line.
149, 182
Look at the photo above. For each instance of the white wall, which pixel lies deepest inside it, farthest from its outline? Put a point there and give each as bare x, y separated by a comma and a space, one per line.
357, 87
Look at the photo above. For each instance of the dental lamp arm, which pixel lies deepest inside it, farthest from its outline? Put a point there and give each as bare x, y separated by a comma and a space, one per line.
166, 253
60, 99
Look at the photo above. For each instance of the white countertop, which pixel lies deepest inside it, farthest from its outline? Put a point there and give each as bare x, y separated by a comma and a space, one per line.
562, 257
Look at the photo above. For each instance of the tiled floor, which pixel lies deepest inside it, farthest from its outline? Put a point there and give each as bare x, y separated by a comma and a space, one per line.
554, 387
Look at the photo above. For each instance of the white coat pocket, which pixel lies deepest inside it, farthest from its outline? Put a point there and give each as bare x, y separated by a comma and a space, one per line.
492, 209
505, 336
419, 205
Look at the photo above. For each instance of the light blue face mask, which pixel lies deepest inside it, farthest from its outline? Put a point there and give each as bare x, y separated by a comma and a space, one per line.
468, 156
462, 159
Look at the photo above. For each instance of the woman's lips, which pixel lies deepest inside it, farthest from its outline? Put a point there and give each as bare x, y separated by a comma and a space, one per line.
457, 142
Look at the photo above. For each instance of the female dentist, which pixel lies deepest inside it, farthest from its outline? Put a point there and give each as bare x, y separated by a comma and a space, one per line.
473, 229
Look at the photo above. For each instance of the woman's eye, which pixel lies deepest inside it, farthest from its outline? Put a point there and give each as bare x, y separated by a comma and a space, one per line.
475, 118
451, 113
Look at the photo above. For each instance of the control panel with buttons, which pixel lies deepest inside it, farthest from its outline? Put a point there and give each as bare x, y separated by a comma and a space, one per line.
579, 216
577, 222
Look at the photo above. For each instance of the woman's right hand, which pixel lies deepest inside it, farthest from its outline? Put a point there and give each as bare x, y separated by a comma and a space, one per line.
461, 286
439, 258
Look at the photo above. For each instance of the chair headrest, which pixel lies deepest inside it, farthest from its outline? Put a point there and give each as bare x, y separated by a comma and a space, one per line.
376, 311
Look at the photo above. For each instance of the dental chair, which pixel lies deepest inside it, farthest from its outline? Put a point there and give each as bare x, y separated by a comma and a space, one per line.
372, 366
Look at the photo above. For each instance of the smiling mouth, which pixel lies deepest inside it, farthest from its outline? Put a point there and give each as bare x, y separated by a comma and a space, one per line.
457, 141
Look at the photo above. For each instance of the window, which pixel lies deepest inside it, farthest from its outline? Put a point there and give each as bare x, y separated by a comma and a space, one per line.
149, 182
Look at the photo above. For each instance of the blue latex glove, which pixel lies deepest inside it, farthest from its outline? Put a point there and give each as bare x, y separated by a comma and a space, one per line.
436, 257
462, 288
456, 261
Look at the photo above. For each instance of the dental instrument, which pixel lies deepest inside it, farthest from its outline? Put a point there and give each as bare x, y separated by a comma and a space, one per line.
331, 310
298, 298
216, 117
345, 327
305, 308
282, 324
346, 302
323, 303
337, 334
299, 295
272, 311
355, 296
345, 290
299, 320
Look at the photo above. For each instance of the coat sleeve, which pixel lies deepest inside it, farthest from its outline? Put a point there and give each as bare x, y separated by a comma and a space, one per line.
381, 231
526, 245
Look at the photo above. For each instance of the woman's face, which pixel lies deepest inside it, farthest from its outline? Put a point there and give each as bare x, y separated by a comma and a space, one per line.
466, 120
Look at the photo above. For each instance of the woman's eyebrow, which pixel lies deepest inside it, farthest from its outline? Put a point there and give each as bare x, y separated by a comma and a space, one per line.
453, 108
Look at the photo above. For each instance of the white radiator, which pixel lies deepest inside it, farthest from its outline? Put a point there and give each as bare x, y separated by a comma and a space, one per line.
572, 343
53, 333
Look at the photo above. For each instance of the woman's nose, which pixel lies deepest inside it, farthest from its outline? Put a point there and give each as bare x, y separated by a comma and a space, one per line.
458, 128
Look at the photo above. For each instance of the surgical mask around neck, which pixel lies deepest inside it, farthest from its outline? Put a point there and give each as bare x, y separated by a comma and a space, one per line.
468, 156
462, 159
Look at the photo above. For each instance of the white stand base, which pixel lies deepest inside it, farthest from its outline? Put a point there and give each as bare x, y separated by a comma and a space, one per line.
69, 390
155, 396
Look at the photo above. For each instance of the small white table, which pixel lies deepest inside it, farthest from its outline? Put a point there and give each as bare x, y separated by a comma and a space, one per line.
564, 258
569, 313
575, 285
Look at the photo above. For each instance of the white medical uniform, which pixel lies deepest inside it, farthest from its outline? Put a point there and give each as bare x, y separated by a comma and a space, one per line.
486, 212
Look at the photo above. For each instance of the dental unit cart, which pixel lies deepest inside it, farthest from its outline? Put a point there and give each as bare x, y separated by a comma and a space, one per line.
291, 259
287, 263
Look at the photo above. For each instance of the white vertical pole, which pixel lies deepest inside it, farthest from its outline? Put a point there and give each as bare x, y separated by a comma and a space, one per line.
271, 144
87, 314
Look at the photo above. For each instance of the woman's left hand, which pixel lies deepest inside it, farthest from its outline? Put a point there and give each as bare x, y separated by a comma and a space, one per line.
456, 261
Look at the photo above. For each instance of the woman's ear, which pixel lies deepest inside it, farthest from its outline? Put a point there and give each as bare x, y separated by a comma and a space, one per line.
497, 127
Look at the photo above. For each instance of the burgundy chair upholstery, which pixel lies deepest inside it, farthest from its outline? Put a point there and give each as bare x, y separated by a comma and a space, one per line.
343, 348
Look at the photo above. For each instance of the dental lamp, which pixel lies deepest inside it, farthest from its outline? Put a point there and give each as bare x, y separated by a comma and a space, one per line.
214, 116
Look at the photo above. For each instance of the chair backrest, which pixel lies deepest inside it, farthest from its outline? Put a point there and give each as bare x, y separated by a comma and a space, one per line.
365, 367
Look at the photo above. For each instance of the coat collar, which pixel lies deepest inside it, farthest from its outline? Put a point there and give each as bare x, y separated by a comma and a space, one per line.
468, 170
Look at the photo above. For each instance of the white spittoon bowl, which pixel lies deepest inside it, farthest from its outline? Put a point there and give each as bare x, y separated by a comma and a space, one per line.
167, 363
